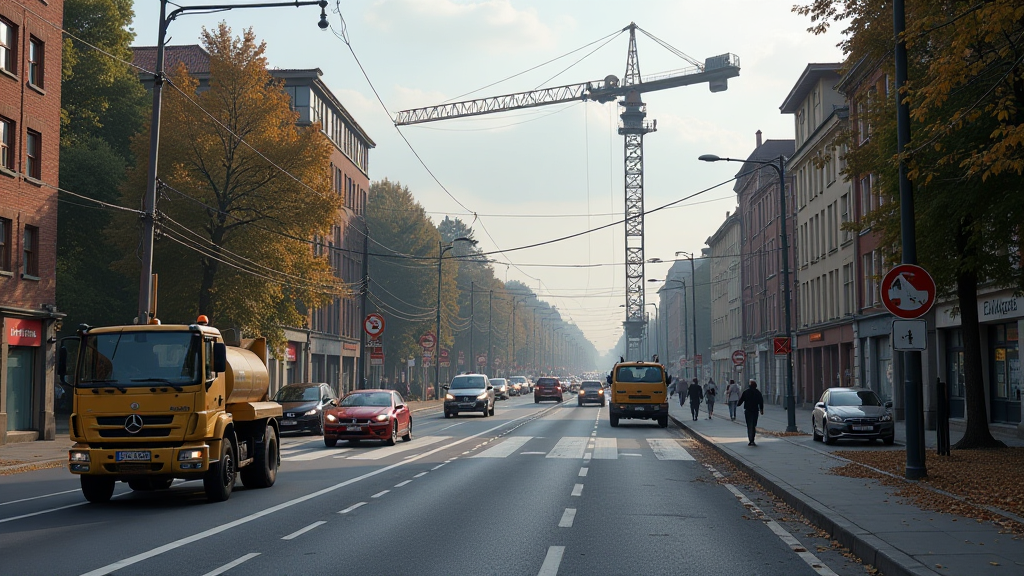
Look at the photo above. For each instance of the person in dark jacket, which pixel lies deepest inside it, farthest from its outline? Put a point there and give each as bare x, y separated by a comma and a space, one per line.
752, 403
696, 394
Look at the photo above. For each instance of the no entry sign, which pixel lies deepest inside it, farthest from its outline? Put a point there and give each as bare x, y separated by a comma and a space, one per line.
739, 357
908, 291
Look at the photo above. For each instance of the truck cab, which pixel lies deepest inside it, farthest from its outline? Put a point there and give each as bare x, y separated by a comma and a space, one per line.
639, 390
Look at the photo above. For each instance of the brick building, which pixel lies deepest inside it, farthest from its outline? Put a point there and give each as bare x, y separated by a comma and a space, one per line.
30, 76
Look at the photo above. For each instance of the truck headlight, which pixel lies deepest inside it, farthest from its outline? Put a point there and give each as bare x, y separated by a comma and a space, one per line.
78, 456
190, 454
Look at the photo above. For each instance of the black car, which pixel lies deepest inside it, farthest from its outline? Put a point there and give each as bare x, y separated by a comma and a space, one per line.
591, 391
303, 406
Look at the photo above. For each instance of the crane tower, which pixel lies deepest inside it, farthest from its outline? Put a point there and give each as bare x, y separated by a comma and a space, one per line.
715, 71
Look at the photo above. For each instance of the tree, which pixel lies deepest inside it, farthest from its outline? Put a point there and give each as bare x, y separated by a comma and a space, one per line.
966, 156
246, 199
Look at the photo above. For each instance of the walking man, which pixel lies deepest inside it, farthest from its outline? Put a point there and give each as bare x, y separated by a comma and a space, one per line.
732, 395
752, 403
696, 394
710, 394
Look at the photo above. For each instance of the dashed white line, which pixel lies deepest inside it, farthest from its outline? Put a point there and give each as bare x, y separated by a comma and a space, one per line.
551, 561
400, 484
567, 517
577, 490
420, 474
352, 507
438, 466
232, 564
583, 471
298, 533
379, 494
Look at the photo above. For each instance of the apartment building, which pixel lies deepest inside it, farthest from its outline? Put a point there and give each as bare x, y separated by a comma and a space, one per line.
726, 300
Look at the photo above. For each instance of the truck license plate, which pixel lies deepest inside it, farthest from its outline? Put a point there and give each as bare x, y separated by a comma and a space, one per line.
132, 456
639, 408
353, 428
862, 428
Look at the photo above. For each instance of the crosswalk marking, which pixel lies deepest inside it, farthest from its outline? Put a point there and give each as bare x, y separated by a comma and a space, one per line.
505, 448
569, 447
312, 455
668, 449
385, 451
606, 449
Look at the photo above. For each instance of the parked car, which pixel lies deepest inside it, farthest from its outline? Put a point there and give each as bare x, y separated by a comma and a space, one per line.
368, 415
500, 388
303, 406
852, 413
547, 388
469, 393
591, 391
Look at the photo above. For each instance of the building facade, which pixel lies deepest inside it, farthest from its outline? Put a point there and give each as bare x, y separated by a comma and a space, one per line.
825, 253
726, 300
30, 76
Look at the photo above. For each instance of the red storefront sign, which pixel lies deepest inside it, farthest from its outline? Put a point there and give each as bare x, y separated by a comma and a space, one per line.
22, 332
291, 352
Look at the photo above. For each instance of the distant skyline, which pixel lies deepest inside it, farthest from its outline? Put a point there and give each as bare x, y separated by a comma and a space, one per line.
539, 174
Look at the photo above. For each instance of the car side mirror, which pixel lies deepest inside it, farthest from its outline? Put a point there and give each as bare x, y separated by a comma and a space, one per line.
444, 387
220, 357
820, 405
325, 400
489, 387
888, 404
608, 379
399, 406
332, 402
62, 364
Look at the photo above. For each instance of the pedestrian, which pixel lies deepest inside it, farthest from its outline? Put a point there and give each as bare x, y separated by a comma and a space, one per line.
695, 394
672, 386
710, 393
732, 395
752, 403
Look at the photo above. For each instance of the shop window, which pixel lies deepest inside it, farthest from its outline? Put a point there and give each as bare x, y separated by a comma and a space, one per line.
30, 252
36, 51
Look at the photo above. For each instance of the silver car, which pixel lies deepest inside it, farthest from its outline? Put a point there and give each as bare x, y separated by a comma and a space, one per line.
852, 413
500, 388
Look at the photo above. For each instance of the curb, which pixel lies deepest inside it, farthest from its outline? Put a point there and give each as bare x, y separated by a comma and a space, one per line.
886, 558
29, 466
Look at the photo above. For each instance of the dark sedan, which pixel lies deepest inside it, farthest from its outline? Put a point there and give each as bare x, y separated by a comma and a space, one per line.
303, 406
855, 413
591, 391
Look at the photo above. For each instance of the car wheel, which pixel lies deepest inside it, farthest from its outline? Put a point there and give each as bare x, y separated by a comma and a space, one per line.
393, 439
825, 436
579, 402
408, 433
219, 480
614, 421
491, 412
319, 430
486, 410
889, 440
602, 403
330, 442
447, 414
97, 489
814, 432
536, 400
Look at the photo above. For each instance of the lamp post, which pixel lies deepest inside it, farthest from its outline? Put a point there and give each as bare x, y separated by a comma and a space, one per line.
780, 169
682, 322
146, 312
657, 323
441, 249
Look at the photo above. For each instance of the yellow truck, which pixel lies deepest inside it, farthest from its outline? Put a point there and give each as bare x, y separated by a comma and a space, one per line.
153, 403
639, 390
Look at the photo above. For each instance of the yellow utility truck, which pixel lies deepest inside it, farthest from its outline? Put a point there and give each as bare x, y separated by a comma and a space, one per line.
639, 390
153, 403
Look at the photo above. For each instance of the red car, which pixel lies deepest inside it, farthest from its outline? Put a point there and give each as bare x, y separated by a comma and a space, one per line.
547, 388
368, 415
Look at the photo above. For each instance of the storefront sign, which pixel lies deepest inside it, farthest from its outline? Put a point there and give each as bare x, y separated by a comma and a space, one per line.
815, 336
291, 352
350, 346
21, 332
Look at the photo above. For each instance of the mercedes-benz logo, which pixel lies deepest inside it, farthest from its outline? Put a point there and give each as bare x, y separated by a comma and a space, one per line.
133, 424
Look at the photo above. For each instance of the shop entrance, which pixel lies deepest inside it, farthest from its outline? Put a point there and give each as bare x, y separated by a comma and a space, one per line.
1005, 381
20, 370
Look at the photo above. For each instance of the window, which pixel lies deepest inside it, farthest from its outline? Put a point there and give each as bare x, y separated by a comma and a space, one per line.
30, 247
844, 215
867, 272
847, 288
7, 46
34, 147
865, 195
5, 245
36, 52
6, 143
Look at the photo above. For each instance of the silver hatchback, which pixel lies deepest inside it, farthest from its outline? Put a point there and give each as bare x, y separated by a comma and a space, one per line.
852, 413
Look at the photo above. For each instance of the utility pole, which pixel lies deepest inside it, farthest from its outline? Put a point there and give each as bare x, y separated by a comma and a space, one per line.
512, 361
472, 326
361, 369
490, 350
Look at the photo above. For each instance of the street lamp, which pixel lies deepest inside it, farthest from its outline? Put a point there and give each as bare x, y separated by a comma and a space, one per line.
146, 312
657, 323
441, 249
682, 319
780, 169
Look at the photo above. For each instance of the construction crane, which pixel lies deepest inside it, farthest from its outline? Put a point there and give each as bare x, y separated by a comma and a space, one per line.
716, 71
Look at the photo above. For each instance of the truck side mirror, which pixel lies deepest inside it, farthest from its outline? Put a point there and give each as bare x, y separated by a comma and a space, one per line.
608, 379
62, 363
220, 357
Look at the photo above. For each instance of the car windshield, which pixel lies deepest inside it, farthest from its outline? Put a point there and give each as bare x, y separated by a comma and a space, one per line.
851, 398
367, 399
497, 382
298, 394
468, 382
547, 382
140, 358
591, 386
518, 380
639, 374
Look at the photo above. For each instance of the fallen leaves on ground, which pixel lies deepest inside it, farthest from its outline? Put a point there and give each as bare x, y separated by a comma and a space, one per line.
988, 477
27, 467
778, 434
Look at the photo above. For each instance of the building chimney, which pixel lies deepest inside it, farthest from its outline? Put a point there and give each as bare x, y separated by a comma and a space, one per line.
758, 138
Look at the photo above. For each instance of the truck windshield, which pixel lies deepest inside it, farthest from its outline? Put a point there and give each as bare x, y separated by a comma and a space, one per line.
140, 359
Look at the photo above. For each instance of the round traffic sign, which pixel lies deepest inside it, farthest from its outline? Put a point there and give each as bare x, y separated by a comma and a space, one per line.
908, 291
373, 325
428, 341
739, 357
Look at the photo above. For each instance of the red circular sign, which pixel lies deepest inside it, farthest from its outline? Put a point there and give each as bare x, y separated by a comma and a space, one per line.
444, 355
374, 325
908, 291
739, 357
427, 341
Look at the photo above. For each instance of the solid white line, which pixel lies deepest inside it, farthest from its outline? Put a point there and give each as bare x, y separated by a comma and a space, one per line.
38, 497
400, 484
174, 545
583, 471
577, 490
352, 507
297, 533
452, 426
31, 514
551, 561
313, 455
420, 474
232, 564
567, 517
379, 494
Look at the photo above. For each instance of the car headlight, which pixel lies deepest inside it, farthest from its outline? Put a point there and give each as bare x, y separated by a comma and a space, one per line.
482, 396
581, 392
331, 418
381, 418
885, 418
836, 418
449, 397
601, 391
310, 412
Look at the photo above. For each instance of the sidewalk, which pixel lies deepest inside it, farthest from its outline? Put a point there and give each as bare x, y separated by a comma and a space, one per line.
861, 514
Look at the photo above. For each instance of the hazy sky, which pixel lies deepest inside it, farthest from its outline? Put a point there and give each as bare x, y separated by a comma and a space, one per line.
555, 170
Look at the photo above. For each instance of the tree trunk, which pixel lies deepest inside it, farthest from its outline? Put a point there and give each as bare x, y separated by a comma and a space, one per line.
207, 305
977, 434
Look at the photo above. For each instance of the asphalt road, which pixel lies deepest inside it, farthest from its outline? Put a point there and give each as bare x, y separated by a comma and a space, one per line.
537, 489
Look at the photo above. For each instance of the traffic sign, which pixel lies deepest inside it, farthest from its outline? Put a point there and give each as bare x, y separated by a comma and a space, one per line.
909, 335
373, 325
698, 359
782, 346
481, 359
739, 357
908, 291
428, 341
462, 357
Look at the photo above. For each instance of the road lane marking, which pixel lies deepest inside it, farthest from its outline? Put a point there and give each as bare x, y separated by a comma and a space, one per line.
452, 426
569, 447
420, 475
379, 494
438, 466
314, 455
37, 513
232, 564
352, 507
606, 449
551, 561
567, 517
174, 545
400, 484
38, 497
378, 453
583, 471
532, 453
302, 531
507, 447
668, 449
577, 490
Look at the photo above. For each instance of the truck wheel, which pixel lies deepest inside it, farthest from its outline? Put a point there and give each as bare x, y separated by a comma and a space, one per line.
262, 471
614, 421
220, 478
663, 421
97, 489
